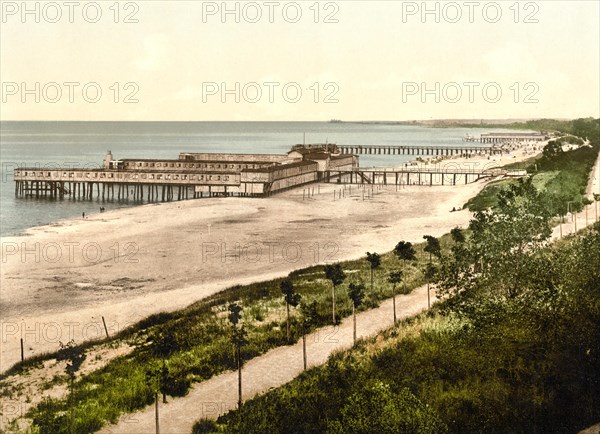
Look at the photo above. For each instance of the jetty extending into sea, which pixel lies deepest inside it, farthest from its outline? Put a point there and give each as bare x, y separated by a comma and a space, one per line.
197, 175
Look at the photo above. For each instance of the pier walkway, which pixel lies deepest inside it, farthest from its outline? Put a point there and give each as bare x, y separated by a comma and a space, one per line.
419, 150
416, 176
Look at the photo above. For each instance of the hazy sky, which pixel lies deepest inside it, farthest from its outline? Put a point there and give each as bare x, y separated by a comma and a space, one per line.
361, 60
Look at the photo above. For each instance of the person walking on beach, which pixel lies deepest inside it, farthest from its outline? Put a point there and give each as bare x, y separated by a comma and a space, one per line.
83, 215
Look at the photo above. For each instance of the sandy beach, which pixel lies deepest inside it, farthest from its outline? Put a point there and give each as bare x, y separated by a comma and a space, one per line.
58, 281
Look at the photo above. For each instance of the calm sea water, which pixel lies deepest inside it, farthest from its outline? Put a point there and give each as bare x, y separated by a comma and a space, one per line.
84, 144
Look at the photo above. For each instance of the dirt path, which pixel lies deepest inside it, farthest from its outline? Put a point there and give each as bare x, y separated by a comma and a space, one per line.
216, 396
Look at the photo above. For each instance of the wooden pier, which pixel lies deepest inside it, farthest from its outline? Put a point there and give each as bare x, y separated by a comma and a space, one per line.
138, 185
419, 150
416, 176
195, 176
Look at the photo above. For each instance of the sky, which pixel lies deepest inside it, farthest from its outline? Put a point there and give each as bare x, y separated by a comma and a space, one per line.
299, 61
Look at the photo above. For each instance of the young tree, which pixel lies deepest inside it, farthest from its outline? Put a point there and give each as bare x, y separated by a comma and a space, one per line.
457, 235
337, 276
292, 298
309, 318
405, 251
238, 338
394, 278
433, 248
162, 346
356, 291
375, 262
75, 356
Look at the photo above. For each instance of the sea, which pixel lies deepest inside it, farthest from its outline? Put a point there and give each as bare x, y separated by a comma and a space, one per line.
84, 144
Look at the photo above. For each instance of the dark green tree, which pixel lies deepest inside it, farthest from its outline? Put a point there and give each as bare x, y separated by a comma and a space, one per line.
336, 275
292, 298
434, 249
457, 235
309, 319
161, 345
433, 246
164, 346
552, 149
356, 292
374, 260
404, 250
394, 278
499, 256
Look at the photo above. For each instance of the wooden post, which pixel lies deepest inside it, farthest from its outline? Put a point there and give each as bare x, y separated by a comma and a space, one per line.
394, 304
22, 351
354, 323
105, 328
586, 217
156, 413
560, 226
239, 376
428, 299
304, 349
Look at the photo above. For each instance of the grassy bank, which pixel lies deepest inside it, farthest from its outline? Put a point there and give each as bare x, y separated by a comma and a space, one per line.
201, 341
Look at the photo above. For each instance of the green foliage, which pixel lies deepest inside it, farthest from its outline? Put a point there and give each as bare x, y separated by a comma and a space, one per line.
430, 272
356, 292
552, 150
335, 273
457, 235
290, 296
374, 260
433, 246
205, 426
404, 250
310, 314
395, 277
375, 409
235, 314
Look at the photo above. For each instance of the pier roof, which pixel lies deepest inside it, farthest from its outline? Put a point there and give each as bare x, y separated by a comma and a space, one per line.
281, 166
